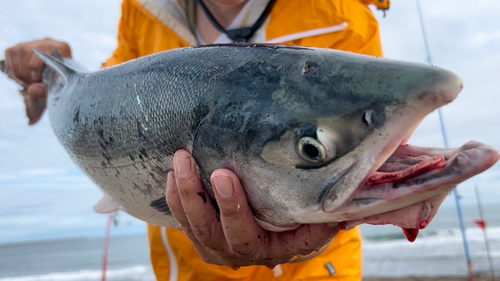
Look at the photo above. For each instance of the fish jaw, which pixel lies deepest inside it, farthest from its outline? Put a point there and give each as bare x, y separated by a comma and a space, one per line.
373, 198
416, 216
411, 219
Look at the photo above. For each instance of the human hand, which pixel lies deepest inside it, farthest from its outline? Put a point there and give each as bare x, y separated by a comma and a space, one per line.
234, 239
25, 67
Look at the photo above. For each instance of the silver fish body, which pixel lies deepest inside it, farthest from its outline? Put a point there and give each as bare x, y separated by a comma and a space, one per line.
303, 128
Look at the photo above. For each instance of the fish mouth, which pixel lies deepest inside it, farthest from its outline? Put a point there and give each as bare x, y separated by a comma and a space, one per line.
405, 184
410, 185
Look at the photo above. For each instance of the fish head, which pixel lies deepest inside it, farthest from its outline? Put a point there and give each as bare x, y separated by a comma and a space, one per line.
309, 146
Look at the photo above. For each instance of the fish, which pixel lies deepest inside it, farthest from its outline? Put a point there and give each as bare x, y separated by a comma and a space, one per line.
314, 135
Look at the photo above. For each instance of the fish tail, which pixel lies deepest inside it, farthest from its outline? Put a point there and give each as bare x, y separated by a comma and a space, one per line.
57, 64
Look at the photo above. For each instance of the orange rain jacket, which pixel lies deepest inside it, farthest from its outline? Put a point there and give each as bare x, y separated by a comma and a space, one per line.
152, 26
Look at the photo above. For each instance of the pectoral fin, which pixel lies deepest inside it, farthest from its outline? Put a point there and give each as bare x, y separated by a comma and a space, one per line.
106, 205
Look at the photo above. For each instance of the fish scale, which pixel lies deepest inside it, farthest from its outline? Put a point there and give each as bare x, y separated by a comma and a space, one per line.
304, 129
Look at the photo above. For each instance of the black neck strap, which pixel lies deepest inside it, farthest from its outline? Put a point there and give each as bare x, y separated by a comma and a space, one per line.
243, 34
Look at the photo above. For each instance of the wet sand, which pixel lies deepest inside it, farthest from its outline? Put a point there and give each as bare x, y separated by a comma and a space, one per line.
478, 278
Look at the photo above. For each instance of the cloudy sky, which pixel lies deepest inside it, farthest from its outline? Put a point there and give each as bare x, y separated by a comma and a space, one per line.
43, 194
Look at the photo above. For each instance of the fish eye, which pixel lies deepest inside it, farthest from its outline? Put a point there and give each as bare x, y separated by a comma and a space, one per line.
369, 118
311, 150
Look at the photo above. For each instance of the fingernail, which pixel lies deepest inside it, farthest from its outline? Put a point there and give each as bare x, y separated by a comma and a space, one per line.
35, 76
183, 165
223, 186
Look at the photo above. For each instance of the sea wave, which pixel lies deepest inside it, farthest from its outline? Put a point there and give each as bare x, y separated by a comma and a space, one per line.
439, 237
439, 253
142, 273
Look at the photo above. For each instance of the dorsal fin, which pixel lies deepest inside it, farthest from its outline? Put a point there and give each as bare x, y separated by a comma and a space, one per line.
63, 69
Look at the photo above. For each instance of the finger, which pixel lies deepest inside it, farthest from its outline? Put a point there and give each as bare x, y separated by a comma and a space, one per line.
174, 202
175, 205
12, 63
196, 202
240, 229
35, 106
35, 67
38, 90
8, 59
306, 239
25, 53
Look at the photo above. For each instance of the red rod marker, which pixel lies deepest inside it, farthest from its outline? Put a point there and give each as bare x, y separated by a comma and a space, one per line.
106, 247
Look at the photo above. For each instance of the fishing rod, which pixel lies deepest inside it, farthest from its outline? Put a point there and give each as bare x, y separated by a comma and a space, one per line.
445, 139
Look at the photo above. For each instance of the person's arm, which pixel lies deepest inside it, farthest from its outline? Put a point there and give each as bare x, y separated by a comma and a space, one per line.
233, 238
26, 66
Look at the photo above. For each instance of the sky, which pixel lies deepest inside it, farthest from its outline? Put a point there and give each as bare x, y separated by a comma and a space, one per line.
43, 195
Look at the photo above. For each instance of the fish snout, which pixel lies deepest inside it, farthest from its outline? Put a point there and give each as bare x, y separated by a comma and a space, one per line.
431, 88
447, 87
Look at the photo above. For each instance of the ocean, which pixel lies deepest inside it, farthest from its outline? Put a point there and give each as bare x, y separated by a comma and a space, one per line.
438, 251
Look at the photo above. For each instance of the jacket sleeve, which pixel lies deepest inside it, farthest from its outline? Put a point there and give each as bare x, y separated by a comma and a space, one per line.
127, 45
